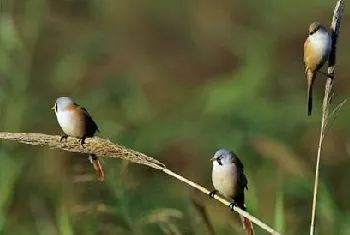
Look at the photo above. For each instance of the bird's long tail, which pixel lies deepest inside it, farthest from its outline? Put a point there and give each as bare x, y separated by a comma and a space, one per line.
97, 166
247, 225
310, 82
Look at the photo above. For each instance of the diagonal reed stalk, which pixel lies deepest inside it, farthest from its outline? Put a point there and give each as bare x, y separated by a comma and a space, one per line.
335, 29
105, 148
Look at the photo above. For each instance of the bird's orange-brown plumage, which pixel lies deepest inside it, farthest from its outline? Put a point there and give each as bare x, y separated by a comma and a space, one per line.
312, 61
97, 166
248, 225
84, 122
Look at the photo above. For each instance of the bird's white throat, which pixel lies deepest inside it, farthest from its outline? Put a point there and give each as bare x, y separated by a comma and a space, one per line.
321, 41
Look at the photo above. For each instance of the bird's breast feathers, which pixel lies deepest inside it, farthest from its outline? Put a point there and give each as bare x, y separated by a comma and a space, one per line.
70, 123
225, 179
321, 41
316, 49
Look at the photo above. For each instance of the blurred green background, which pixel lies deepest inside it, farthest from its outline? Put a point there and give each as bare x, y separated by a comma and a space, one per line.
176, 80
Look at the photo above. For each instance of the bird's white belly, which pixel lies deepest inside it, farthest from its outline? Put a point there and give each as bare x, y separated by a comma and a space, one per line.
69, 123
322, 43
225, 179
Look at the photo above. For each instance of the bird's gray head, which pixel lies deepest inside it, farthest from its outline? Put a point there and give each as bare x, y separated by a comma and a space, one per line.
223, 157
316, 26
62, 103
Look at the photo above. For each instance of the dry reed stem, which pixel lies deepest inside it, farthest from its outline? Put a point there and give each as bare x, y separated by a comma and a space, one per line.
335, 29
105, 148
202, 212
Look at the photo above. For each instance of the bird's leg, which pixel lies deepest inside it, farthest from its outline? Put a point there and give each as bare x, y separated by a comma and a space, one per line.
233, 204
82, 140
212, 193
326, 74
64, 137
323, 73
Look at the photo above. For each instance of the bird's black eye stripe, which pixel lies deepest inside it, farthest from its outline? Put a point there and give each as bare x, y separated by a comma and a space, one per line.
219, 160
56, 107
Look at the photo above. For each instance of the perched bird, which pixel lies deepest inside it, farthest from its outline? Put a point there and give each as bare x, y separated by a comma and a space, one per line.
317, 48
229, 180
74, 120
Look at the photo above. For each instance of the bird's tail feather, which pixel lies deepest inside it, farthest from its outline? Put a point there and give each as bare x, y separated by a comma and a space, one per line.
247, 225
310, 82
97, 166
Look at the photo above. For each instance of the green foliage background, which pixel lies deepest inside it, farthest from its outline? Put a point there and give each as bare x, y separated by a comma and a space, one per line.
176, 80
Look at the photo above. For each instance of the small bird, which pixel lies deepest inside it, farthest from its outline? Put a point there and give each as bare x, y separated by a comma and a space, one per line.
74, 120
317, 48
229, 180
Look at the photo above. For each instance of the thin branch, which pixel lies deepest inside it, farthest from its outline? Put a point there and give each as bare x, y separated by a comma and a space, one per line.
335, 29
105, 148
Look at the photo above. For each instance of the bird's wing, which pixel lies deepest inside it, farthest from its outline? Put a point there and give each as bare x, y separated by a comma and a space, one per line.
88, 117
241, 185
242, 179
305, 52
310, 58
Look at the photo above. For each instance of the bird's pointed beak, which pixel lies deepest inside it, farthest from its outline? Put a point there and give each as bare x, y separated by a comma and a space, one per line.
212, 159
54, 106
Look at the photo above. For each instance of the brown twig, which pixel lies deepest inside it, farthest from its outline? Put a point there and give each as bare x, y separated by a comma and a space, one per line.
105, 148
335, 29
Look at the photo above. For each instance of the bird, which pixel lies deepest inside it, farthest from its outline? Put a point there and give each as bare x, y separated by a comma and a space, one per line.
74, 120
317, 48
229, 180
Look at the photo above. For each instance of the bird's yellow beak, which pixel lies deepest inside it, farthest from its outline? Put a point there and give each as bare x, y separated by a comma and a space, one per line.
212, 159
54, 106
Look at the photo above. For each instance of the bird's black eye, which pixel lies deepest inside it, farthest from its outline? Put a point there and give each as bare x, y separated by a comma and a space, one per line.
312, 32
56, 107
